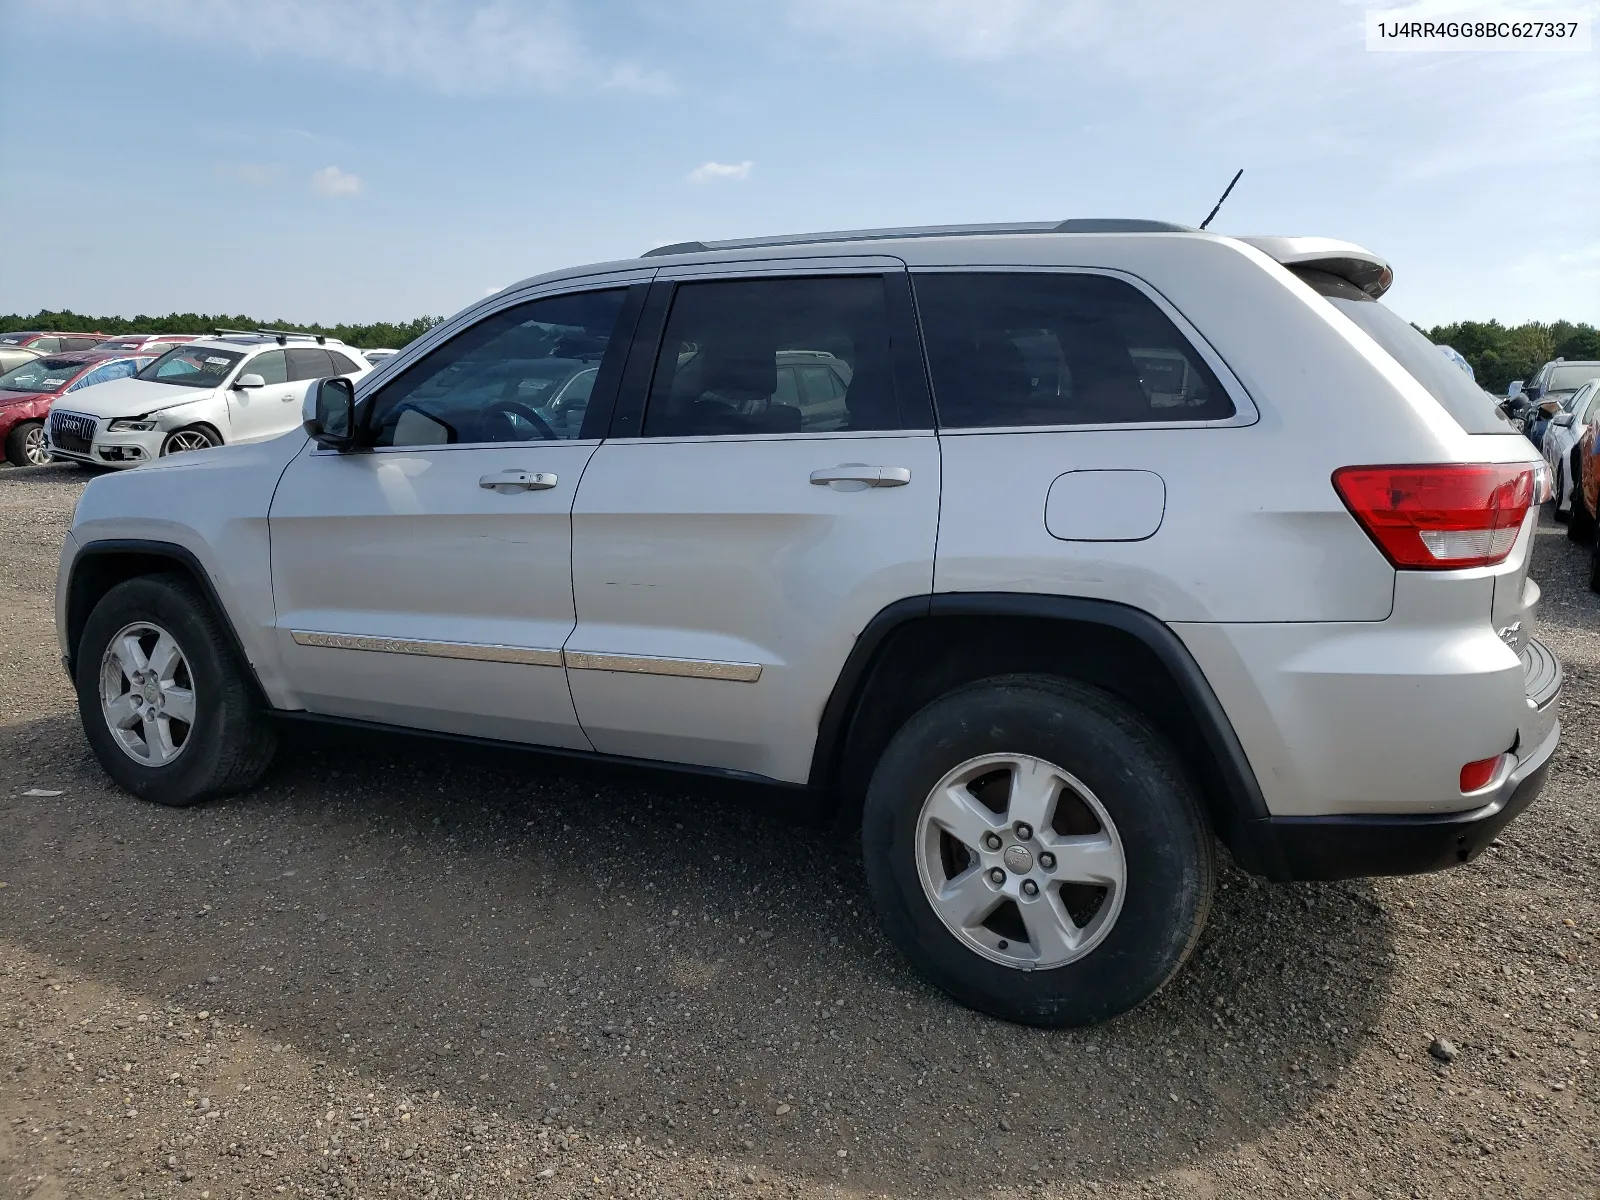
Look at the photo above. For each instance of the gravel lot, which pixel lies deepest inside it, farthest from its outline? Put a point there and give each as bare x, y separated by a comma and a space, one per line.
405, 969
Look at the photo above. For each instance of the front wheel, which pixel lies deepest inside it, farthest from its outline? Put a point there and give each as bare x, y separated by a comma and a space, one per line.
196, 437
25, 445
163, 698
1036, 850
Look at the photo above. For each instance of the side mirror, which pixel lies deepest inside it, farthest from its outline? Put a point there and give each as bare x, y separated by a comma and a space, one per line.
331, 421
1562, 419
249, 381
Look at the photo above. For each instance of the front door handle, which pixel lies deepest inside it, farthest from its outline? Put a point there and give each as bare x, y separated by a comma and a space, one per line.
506, 482
862, 476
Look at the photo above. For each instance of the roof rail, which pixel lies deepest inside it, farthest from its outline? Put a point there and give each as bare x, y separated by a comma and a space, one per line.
283, 335
1074, 225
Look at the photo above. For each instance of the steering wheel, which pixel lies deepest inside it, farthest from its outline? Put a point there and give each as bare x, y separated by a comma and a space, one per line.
508, 408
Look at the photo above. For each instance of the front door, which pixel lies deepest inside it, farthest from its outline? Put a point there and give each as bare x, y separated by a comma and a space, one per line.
428, 582
730, 546
257, 413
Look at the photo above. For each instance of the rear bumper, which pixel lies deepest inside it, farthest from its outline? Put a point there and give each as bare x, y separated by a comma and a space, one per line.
1363, 844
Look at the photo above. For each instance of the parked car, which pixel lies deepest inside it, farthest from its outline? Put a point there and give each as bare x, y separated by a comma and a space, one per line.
244, 387
143, 343
15, 356
1043, 615
1561, 439
27, 392
1586, 497
52, 343
1559, 378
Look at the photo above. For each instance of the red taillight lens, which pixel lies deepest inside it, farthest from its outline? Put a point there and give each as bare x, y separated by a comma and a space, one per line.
1440, 517
1477, 775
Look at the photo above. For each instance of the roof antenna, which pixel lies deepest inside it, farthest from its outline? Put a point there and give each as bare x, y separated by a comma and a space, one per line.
1225, 192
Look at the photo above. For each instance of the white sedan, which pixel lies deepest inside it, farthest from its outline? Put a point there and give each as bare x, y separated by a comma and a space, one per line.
1562, 436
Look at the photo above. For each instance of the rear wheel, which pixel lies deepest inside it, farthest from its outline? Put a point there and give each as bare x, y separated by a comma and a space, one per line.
1559, 495
1581, 523
1594, 567
162, 696
1036, 850
196, 437
25, 445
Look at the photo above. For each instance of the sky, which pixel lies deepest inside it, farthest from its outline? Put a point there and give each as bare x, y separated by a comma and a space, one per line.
363, 160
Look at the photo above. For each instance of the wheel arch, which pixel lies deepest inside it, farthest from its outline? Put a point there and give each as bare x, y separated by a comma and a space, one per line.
100, 566
920, 648
210, 430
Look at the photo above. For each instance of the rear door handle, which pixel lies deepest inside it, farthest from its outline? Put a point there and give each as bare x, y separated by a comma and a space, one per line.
506, 482
862, 475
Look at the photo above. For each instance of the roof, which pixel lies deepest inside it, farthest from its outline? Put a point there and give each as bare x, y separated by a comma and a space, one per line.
1075, 225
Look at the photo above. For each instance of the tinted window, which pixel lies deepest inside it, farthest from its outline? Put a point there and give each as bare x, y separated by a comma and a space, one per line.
1473, 409
46, 345
497, 381
79, 343
273, 367
341, 364
310, 364
728, 361
1058, 349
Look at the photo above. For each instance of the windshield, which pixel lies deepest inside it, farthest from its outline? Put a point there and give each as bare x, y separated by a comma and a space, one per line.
121, 344
1568, 378
15, 339
1473, 408
192, 366
40, 375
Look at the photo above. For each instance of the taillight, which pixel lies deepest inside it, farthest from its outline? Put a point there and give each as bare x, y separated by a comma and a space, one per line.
1443, 516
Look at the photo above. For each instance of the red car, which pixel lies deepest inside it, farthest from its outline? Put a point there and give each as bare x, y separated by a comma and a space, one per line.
145, 343
27, 391
53, 343
1586, 498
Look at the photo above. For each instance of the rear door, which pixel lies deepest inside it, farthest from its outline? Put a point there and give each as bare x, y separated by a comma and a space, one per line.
727, 550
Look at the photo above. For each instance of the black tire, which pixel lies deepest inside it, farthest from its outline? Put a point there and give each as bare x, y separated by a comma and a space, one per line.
24, 444
1594, 567
1557, 493
230, 742
1581, 524
175, 442
1136, 778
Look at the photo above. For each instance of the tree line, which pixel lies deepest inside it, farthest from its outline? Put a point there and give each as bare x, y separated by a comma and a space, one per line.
1498, 353
365, 337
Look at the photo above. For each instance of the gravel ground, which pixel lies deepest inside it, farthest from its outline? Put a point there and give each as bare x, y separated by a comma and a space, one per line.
404, 969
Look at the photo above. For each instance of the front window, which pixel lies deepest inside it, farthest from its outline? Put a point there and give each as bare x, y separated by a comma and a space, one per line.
192, 366
40, 375
496, 381
1565, 378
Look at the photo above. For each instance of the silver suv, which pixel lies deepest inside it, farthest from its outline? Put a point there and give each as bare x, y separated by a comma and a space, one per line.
1046, 556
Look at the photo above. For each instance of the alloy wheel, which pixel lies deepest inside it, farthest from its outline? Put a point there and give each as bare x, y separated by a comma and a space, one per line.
147, 694
186, 439
1020, 861
34, 448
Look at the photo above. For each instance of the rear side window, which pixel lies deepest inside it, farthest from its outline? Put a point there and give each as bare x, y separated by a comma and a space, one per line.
341, 364
734, 356
309, 364
1038, 348
1473, 409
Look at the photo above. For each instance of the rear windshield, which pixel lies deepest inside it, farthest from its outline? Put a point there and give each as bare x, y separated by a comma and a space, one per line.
1473, 408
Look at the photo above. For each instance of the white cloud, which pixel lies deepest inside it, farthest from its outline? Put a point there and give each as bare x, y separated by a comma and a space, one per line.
710, 172
331, 181
451, 46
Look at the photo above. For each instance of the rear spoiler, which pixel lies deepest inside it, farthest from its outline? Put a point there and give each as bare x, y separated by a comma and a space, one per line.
1346, 260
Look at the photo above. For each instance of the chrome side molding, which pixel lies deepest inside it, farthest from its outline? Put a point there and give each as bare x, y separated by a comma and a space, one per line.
689, 668
521, 655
